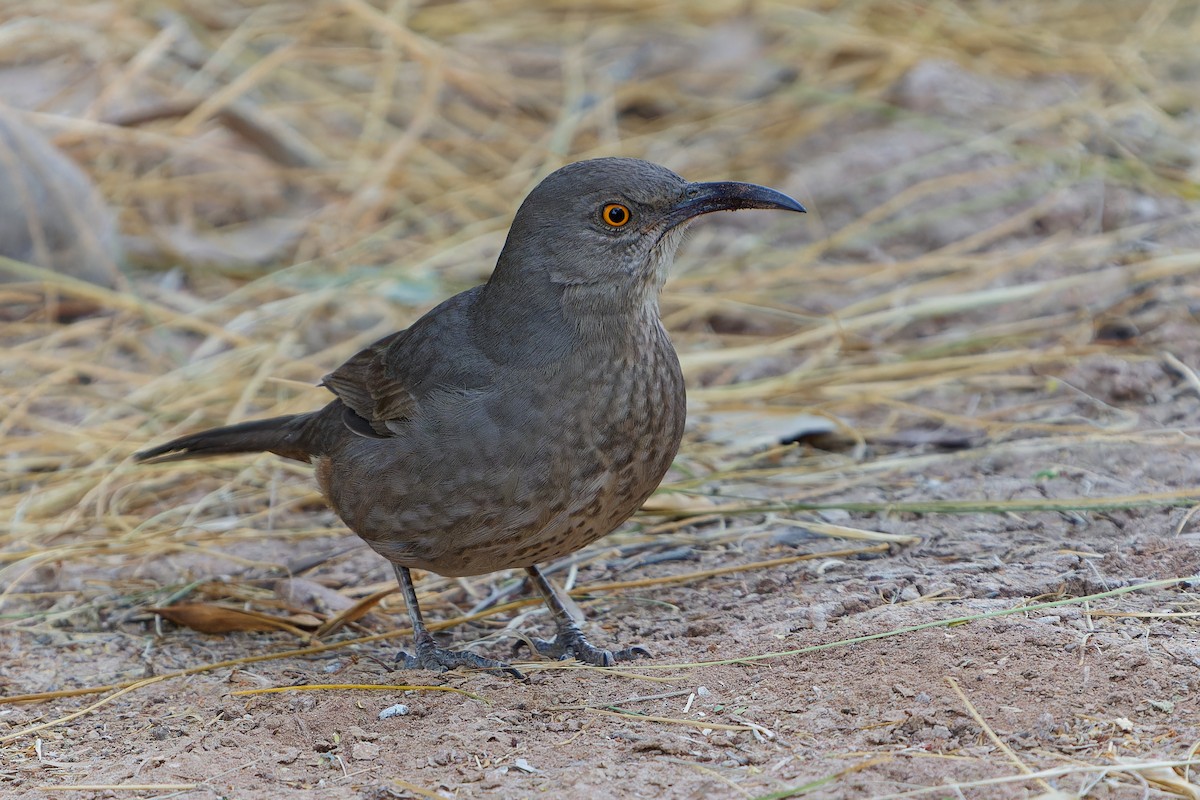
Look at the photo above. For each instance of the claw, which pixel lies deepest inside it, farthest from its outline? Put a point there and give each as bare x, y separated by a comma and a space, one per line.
439, 659
632, 653
429, 655
571, 643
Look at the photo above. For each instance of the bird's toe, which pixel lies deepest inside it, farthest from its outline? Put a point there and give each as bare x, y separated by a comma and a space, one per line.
439, 659
571, 643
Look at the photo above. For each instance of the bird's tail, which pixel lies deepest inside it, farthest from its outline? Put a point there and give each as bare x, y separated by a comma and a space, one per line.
287, 436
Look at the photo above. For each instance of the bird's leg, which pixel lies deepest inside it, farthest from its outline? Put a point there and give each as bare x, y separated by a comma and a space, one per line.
570, 640
428, 654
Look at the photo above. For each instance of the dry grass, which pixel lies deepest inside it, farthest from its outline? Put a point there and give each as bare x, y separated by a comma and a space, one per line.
299, 179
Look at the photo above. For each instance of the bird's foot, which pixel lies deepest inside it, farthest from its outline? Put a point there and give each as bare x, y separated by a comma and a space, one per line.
570, 642
439, 659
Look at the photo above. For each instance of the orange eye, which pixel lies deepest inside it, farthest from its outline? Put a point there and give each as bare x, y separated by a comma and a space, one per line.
616, 215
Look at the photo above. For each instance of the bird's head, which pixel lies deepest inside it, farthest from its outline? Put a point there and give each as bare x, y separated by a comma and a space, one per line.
609, 227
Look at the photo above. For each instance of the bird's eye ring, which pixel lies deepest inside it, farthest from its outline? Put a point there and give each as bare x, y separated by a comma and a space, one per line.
616, 215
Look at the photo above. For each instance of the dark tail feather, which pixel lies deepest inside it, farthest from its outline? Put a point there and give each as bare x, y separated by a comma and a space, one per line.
285, 436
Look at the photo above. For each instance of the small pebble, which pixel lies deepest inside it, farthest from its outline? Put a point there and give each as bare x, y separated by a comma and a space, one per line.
398, 710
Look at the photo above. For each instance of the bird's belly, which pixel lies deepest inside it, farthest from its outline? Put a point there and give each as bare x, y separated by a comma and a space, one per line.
501, 493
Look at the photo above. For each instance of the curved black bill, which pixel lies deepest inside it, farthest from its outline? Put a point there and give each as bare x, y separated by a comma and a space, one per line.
703, 198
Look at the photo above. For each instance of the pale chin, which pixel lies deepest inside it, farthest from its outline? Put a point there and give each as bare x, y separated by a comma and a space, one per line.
663, 253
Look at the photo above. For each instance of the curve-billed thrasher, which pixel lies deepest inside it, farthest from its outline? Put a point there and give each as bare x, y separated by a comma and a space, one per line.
522, 419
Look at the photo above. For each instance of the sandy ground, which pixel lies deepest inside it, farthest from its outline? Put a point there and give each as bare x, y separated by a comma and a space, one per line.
976, 659
1069, 686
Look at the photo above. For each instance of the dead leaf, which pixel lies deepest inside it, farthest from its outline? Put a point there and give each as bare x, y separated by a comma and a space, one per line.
211, 618
354, 613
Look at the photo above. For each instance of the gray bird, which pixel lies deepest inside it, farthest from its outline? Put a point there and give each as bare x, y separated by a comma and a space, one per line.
519, 420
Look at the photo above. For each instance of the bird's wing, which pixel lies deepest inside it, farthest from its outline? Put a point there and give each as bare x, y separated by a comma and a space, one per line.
385, 385
372, 394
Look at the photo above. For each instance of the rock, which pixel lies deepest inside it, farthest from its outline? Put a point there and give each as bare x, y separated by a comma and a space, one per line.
50, 212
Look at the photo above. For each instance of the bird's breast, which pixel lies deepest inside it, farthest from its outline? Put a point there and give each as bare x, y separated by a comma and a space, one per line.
542, 463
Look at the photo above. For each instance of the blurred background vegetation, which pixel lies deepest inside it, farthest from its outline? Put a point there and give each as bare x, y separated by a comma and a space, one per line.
992, 308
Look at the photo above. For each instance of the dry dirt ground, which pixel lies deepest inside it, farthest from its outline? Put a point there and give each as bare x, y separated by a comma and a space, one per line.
933, 529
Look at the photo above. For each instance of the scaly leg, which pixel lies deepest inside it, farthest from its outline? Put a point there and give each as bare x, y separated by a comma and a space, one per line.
570, 641
428, 654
